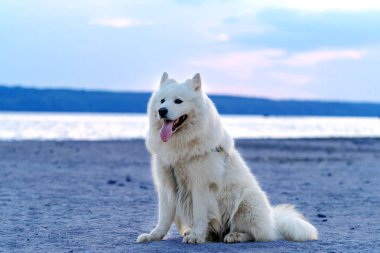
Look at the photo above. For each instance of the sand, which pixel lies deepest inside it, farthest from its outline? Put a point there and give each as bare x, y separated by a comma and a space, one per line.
98, 196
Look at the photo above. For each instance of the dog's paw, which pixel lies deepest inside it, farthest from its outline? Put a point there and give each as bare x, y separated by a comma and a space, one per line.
187, 232
191, 238
147, 238
235, 237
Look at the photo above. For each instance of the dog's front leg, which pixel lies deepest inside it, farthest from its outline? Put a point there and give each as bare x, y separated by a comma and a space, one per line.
165, 215
200, 209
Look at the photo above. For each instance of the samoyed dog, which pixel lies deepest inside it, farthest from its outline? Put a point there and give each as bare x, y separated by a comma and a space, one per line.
203, 184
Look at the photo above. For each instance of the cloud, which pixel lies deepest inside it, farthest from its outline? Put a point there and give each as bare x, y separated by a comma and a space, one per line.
118, 22
244, 63
302, 5
316, 57
292, 78
214, 37
222, 37
240, 64
321, 5
270, 72
299, 31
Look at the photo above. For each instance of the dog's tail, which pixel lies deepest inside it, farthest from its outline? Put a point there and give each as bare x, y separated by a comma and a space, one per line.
292, 225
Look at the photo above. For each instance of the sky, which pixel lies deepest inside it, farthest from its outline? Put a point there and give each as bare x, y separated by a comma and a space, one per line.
325, 50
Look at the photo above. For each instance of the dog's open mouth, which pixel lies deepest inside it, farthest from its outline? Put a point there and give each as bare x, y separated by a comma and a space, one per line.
170, 126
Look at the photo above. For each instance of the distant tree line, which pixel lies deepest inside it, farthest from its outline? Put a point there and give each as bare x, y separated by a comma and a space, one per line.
66, 100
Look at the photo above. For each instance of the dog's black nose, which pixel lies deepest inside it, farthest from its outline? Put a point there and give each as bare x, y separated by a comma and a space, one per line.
163, 111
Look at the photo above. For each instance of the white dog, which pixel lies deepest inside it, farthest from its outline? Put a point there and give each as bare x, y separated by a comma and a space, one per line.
203, 184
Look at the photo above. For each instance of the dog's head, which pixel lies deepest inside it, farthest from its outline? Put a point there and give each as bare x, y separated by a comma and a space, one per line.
175, 107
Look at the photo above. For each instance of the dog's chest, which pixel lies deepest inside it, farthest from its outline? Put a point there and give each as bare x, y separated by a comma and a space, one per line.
180, 178
183, 194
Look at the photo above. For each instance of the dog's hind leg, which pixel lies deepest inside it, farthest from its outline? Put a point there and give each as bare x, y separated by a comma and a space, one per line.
253, 220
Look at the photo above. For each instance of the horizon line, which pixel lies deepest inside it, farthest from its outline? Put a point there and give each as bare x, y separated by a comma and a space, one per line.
320, 100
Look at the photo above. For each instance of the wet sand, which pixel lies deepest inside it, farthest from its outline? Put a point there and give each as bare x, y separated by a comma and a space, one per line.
98, 196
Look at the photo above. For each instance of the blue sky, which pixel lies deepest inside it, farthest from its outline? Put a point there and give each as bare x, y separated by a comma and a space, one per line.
326, 50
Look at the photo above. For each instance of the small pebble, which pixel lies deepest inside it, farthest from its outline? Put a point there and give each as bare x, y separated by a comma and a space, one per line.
111, 181
324, 220
120, 184
128, 178
353, 228
143, 187
321, 215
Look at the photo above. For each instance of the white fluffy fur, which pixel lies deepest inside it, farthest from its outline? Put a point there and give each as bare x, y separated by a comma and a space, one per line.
209, 195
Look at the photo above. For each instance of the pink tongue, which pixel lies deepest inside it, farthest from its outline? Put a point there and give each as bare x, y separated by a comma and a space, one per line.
166, 131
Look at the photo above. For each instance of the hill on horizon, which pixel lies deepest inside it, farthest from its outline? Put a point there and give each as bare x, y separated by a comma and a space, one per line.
70, 100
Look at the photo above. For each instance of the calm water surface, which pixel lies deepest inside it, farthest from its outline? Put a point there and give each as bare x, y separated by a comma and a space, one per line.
88, 126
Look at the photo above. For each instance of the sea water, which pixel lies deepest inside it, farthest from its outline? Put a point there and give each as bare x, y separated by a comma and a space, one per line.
96, 126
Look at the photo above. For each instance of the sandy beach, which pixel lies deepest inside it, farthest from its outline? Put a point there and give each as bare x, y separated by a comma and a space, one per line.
82, 196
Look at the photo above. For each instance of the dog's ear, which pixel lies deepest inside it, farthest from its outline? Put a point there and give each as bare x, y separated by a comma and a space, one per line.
164, 78
196, 82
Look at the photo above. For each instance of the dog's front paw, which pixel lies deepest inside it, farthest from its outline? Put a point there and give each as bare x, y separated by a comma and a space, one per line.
148, 238
191, 238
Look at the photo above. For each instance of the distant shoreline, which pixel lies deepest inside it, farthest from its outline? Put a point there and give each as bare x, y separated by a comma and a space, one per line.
144, 113
21, 99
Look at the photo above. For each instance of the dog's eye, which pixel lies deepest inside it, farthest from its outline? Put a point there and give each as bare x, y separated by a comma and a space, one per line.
162, 101
178, 101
